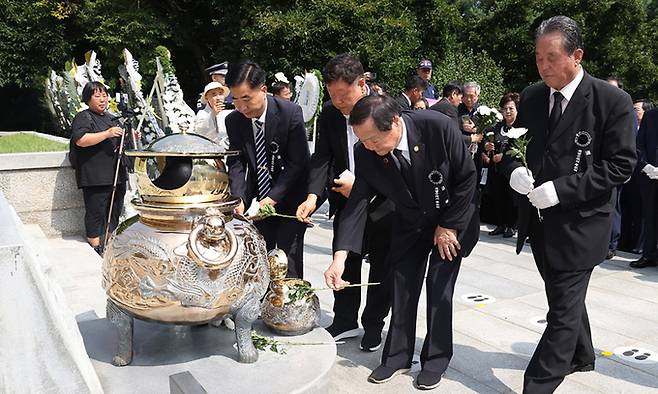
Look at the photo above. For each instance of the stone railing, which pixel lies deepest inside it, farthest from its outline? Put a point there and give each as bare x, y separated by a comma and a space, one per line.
42, 349
41, 187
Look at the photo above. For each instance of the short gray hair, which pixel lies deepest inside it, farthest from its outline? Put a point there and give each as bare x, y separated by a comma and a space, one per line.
474, 85
572, 38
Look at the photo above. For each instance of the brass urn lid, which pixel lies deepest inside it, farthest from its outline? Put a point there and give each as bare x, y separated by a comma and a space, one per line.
182, 168
182, 145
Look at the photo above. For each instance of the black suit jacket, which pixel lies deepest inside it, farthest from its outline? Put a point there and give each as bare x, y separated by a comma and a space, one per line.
647, 140
577, 230
403, 103
329, 159
445, 107
284, 127
435, 146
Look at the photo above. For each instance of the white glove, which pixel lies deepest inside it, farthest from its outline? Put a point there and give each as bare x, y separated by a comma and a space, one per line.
648, 169
651, 171
544, 196
253, 208
521, 180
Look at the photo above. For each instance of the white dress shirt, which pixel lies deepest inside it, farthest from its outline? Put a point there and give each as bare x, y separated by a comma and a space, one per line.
403, 145
352, 139
567, 91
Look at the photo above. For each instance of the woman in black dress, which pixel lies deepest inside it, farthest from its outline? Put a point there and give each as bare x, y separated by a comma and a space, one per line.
501, 196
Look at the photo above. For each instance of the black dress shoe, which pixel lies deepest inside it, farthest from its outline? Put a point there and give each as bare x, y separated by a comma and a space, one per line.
428, 380
99, 249
383, 374
643, 262
371, 341
582, 368
497, 231
610, 255
509, 233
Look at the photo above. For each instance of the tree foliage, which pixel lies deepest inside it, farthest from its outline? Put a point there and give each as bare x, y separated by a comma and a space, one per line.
470, 66
490, 41
32, 39
308, 33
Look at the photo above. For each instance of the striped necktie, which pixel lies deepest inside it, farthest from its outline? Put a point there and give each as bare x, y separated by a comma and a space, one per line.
264, 177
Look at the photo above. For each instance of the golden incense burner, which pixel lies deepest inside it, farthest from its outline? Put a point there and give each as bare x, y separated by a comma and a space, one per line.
185, 258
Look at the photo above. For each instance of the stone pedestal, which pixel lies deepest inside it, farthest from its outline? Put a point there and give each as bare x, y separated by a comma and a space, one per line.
209, 354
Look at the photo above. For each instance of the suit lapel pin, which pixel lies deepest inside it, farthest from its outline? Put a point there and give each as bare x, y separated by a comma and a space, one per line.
416, 149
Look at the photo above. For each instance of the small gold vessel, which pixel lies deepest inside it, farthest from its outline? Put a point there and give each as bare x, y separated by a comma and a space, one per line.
282, 315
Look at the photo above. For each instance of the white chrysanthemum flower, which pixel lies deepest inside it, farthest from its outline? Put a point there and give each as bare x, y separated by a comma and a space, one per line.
484, 110
515, 132
281, 77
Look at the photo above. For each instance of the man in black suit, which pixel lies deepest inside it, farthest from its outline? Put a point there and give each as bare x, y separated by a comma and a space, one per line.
334, 157
418, 160
273, 165
452, 97
581, 148
414, 87
647, 161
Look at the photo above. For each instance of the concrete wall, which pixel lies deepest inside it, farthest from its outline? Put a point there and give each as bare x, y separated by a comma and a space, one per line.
41, 187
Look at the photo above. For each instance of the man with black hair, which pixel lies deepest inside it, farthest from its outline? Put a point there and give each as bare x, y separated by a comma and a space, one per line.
333, 165
273, 165
418, 160
414, 87
452, 97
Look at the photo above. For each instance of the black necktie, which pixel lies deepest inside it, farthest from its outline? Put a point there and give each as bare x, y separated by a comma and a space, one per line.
556, 112
405, 169
263, 175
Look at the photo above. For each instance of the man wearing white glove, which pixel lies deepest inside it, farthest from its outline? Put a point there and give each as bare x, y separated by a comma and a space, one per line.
581, 148
647, 143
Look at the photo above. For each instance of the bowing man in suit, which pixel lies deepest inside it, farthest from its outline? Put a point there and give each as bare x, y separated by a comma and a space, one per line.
273, 164
414, 87
334, 154
418, 160
582, 146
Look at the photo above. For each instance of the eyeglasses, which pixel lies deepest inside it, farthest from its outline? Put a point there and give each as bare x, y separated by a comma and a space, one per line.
509, 109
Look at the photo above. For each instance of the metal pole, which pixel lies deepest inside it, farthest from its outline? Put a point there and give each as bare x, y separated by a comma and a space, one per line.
114, 187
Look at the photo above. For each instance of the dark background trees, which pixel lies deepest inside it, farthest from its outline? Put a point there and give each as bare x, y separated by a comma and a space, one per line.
489, 41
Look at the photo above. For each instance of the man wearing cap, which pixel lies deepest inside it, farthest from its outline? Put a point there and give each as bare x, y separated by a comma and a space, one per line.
424, 71
217, 73
209, 122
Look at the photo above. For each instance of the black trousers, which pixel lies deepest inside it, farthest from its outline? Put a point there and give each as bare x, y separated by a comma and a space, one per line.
567, 340
408, 275
650, 208
378, 298
287, 235
97, 208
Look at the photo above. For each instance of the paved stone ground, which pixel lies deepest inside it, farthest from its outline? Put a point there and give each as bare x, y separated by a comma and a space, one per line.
493, 341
